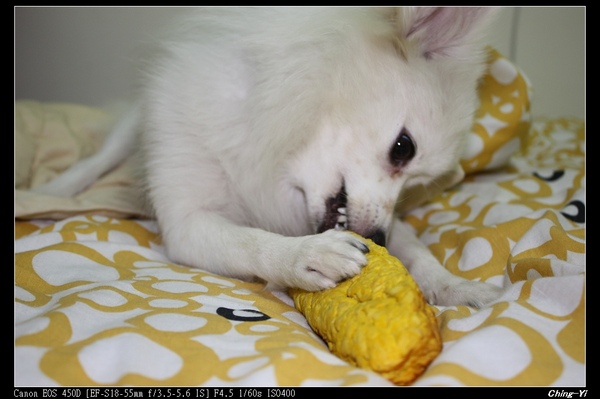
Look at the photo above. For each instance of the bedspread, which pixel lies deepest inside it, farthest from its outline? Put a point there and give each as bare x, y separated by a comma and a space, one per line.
97, 302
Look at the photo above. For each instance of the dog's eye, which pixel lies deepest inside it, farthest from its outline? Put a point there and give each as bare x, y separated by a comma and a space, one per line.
403, 150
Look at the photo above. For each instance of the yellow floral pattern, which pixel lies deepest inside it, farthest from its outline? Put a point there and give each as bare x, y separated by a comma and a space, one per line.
523, 229
502, 119
100, 304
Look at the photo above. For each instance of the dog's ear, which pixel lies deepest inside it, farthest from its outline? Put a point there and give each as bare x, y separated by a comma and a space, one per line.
442, 31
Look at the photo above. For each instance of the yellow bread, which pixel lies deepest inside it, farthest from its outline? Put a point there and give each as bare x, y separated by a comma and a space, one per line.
377, 320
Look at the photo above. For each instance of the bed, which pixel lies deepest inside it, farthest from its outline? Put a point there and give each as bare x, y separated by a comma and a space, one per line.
97, 302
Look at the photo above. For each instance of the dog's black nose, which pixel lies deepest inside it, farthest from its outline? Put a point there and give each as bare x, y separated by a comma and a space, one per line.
378, 237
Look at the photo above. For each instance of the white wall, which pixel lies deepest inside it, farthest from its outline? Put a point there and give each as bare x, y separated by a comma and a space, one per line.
81, 54
548, 44
87, 54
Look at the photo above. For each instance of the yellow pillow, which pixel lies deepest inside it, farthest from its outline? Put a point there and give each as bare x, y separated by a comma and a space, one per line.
502, 120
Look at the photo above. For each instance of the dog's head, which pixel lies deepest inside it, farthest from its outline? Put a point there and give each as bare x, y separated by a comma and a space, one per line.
400, 96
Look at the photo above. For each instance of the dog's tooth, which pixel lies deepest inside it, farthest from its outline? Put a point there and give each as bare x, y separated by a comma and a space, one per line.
342, 211
342, 219
340, 226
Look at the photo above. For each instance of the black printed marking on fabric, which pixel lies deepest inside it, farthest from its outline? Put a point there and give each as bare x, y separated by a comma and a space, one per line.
557, 174
578, 217
242, 314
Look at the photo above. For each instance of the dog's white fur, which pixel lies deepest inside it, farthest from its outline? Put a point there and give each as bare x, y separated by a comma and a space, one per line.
257, 122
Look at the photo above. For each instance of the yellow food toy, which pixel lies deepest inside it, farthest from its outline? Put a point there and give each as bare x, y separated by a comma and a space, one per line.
377, 320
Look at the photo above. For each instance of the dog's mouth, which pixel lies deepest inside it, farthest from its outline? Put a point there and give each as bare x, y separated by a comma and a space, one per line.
335, 212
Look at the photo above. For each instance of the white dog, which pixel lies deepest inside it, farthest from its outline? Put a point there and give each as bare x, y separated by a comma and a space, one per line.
269, 132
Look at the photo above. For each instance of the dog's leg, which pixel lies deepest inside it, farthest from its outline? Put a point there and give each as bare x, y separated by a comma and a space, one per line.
313, 262
117, 146
439, 286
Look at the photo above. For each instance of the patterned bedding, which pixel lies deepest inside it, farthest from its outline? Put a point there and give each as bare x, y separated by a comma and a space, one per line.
97, 302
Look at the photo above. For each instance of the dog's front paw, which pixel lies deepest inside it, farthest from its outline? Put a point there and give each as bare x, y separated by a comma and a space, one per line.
323, 260
464, 292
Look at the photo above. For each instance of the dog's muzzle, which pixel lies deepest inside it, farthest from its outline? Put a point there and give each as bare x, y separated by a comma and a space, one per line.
336, 217
378, 237
335, 212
